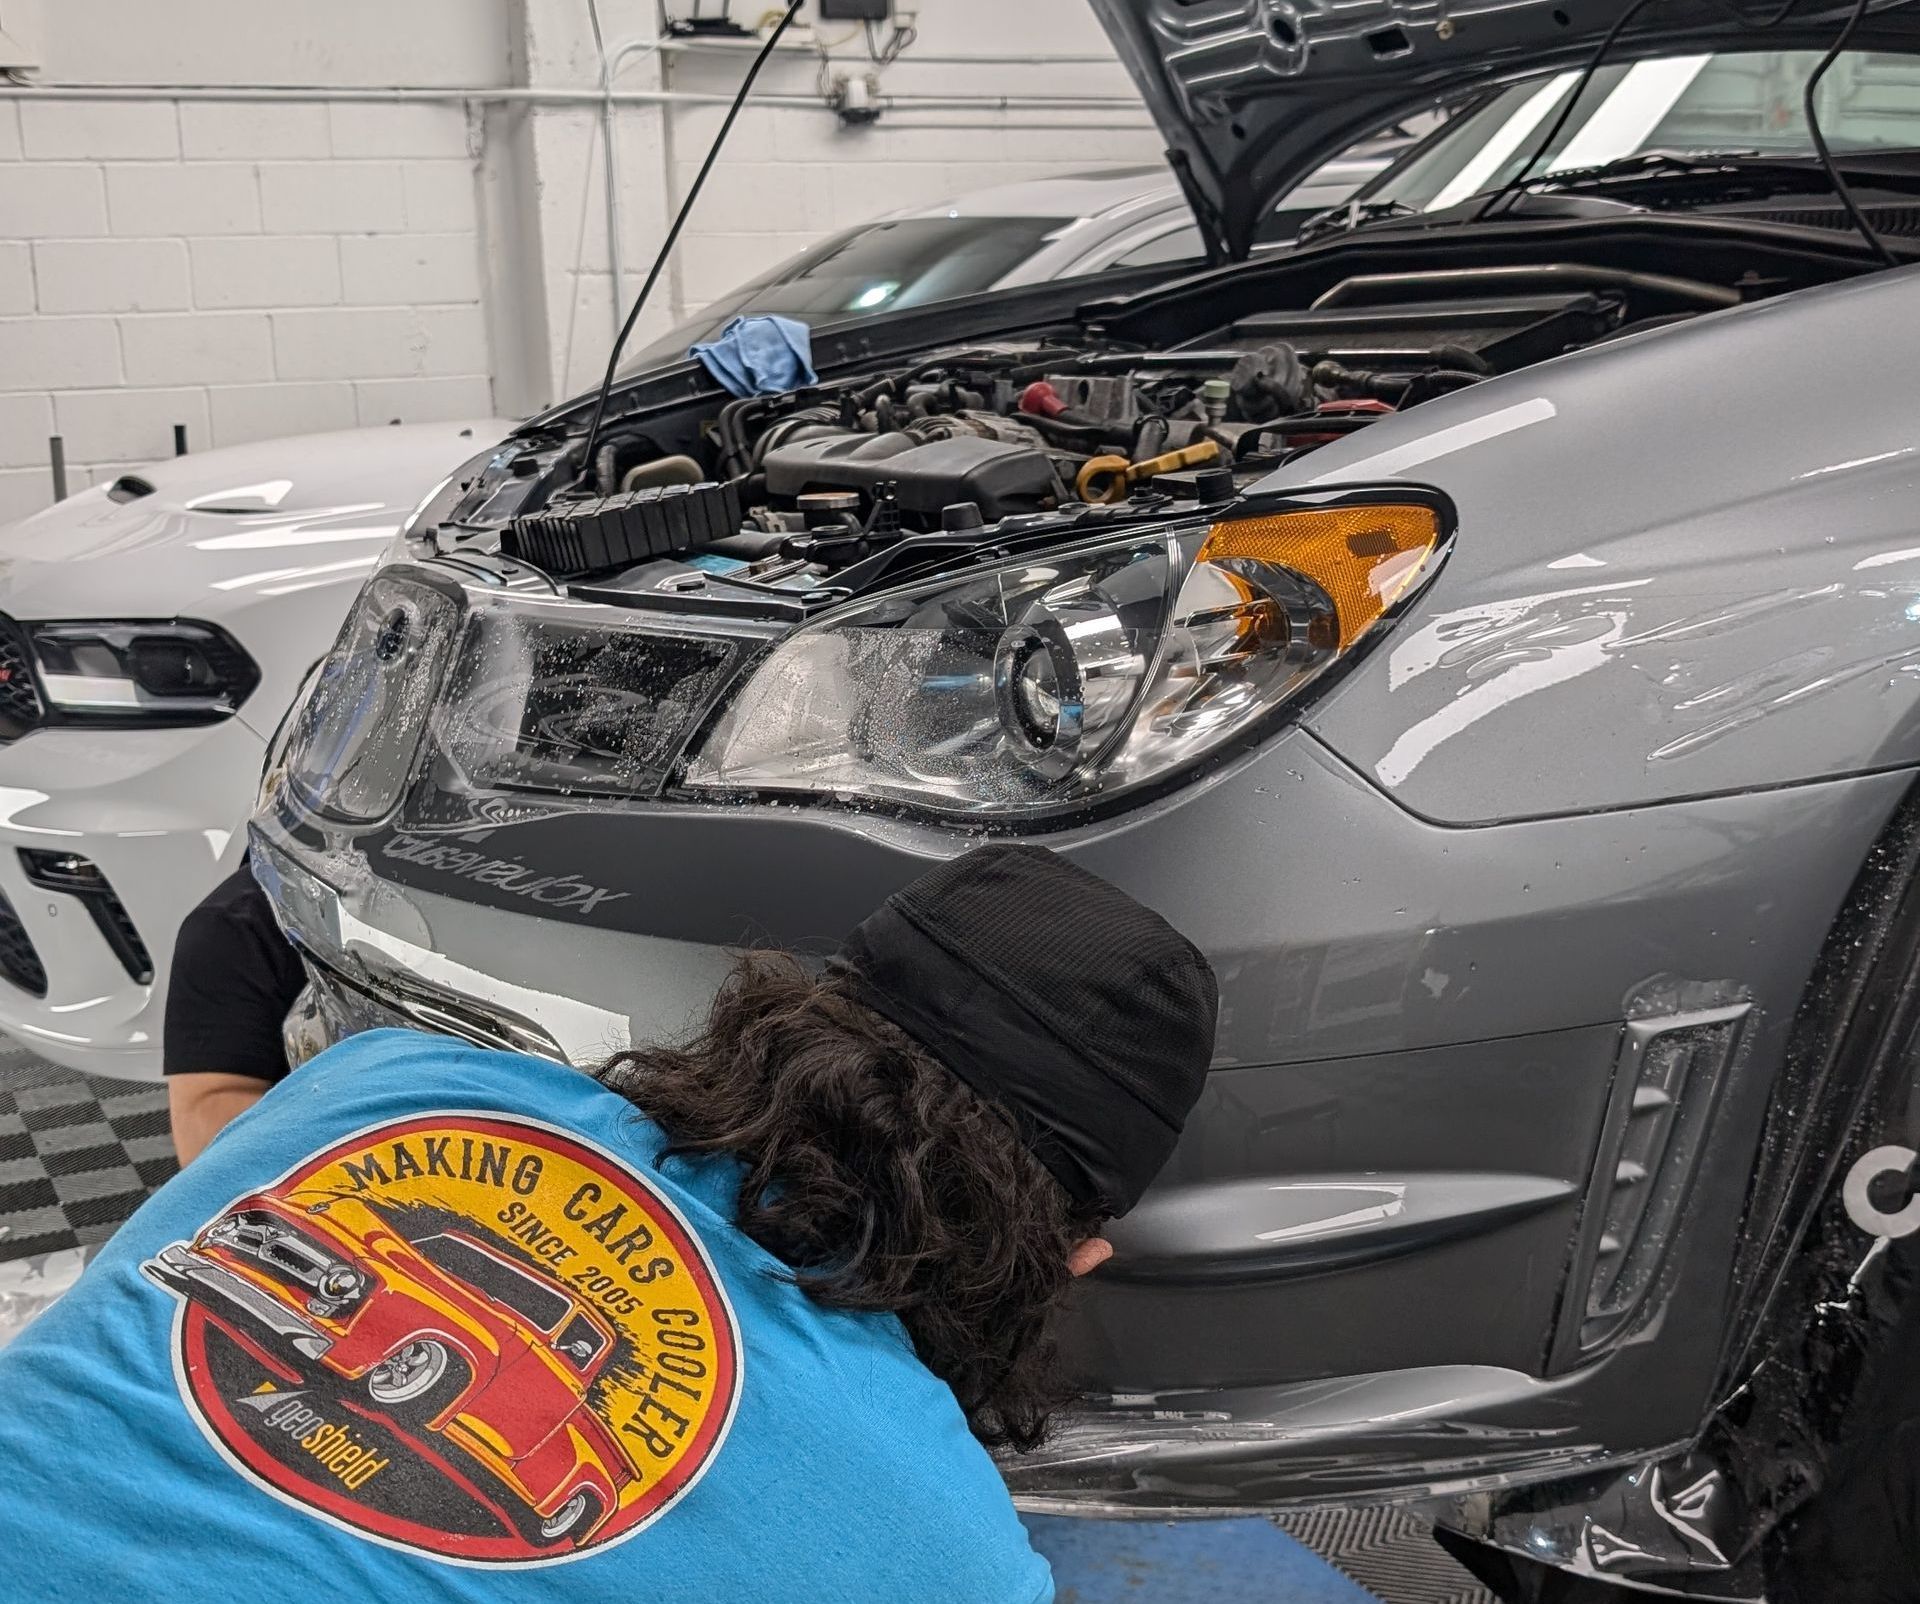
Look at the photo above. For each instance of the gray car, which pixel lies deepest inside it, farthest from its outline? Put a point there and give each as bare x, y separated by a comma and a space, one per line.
1490, 629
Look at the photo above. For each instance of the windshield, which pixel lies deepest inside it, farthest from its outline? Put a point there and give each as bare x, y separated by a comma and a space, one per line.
513, 1288
1732, 101
874, 267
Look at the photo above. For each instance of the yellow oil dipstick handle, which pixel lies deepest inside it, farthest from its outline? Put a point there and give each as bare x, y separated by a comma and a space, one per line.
1108, 479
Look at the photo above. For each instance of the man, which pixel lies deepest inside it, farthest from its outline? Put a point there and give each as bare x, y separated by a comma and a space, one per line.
233, 978
729, 1321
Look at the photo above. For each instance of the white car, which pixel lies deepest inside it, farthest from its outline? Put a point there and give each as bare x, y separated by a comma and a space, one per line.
153, 632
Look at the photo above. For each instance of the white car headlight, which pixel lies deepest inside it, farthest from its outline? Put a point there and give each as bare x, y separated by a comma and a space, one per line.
1058, 679
159, 671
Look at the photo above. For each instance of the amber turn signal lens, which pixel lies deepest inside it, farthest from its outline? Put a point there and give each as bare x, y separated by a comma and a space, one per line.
1364, 557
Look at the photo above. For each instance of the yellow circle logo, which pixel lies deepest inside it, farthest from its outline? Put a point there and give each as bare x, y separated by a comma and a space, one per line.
466, 1334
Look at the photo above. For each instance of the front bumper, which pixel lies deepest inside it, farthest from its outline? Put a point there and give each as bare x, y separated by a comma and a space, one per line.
199, 1279
1400, 1013
160, 814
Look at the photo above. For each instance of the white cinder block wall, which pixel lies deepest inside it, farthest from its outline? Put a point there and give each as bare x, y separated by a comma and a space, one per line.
212, 215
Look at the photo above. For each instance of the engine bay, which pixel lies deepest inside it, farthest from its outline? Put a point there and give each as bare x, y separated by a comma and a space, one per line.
789, 502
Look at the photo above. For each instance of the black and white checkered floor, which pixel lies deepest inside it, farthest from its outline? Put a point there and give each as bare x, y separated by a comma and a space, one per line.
78, 1154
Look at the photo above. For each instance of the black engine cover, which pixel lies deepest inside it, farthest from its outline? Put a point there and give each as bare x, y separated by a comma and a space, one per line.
999, 476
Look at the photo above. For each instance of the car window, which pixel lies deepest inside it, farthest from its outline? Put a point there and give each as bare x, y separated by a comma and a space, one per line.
876, 267
516, 1289
1732, 101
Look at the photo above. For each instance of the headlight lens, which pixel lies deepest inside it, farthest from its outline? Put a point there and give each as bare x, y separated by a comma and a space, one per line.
1060, 679
163, 671
342, 1281
544, 700
354, 739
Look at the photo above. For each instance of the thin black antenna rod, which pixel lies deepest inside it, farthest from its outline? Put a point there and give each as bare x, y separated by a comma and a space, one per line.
673, 233
1594, 62
1834, 176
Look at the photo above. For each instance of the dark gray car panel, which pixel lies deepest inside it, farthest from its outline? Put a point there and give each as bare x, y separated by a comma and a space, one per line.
1622, 622
1401, 1009
1251, 94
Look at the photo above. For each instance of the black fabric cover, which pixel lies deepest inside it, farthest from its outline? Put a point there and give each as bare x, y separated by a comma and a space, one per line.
1045, 988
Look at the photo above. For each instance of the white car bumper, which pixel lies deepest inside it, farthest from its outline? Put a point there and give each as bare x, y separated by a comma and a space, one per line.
160, 814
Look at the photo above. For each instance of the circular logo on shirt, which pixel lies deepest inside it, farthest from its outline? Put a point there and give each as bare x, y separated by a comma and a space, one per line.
466, 1334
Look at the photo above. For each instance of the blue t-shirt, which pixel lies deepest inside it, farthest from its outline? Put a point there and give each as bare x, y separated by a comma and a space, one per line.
436, 1323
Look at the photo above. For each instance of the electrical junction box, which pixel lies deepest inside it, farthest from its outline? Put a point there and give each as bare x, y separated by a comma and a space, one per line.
855, 10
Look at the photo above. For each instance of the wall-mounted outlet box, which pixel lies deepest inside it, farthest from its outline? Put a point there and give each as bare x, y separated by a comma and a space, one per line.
855, 10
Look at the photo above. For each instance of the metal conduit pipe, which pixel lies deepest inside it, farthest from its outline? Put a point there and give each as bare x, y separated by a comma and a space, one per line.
916, 57
541, 97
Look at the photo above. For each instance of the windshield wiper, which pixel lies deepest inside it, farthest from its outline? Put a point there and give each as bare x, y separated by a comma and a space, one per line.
1351, 214
1708, 171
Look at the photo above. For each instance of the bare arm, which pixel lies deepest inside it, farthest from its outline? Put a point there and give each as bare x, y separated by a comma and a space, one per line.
201, 1106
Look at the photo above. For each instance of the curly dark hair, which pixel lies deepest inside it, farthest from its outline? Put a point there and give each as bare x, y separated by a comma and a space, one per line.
879, 1178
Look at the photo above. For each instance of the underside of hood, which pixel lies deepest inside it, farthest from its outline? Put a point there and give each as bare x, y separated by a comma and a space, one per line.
1252, 95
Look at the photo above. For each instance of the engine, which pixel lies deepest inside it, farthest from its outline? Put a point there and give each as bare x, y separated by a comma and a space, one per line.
799, 488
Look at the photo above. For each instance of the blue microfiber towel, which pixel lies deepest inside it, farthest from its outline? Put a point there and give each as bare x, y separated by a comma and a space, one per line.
760, 355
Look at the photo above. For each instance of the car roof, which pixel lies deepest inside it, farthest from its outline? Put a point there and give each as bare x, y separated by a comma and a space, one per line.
1069, 195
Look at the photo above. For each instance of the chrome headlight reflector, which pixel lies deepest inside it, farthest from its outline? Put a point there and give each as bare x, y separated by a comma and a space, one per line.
1063, 678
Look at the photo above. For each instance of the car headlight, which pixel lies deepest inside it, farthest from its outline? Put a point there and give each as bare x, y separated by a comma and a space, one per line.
342, 1281
1060, 679
351, 741
150, 672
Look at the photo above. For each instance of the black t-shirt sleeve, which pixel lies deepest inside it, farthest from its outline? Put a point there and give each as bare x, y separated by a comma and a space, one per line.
234, 978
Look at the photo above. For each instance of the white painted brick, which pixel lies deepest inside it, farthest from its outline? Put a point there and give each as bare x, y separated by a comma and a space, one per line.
383, 401
410, 269
272, 411
364, 343
247, 42
332, 197
128, 424
441, 197
859, 194
16, 279
85, 130
895, 144
58, 353
38, 202
417, 130
25, 423
9, 131
712, 264
783, 198
191, 198
24, 491
814, 140
583, 331
270, 270
213, 131
198, 348
111, 275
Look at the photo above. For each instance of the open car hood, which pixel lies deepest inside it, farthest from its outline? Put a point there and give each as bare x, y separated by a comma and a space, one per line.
1253, 94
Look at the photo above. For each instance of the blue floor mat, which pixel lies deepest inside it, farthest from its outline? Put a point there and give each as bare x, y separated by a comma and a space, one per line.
1185, 1562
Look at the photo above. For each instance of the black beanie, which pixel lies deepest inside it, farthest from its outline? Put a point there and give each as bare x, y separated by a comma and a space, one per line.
1055, 994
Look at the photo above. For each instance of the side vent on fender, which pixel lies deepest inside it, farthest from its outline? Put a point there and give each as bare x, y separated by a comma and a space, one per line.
1665, 1088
